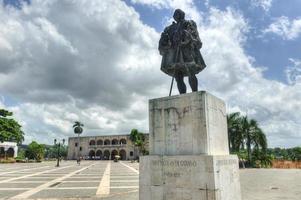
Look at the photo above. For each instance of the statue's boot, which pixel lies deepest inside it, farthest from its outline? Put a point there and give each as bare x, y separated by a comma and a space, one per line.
180, 83
193, 82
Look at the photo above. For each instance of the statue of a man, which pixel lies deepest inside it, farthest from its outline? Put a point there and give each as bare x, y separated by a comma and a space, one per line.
180, 46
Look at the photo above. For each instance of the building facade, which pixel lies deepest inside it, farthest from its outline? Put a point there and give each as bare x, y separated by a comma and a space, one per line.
8, 149
102, 147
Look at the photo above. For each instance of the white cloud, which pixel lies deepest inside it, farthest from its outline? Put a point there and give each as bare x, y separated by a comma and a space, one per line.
100, 65
293, 73
159, 4
286, 28
264, 4
64, 63
187, 5
231, 74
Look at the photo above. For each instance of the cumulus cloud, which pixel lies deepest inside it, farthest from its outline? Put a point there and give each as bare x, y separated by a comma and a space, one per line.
293, 73
264, 4
82, 53
232, 75
285, 28
187, 5
100, 65
101, 59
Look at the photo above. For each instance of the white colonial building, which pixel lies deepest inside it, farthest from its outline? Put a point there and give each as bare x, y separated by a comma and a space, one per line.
8, 149
102, 147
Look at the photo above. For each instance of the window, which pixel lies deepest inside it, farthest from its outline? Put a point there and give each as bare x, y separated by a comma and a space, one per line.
114, 142
107, 142
76, 144
80, 148
131, 153
123, 141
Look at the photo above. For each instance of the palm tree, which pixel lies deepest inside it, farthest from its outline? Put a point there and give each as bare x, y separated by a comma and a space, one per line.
262, 159
234, 131
242, 133
260, 140
253, 136
78, 127
133, 135
78, 130
138, 139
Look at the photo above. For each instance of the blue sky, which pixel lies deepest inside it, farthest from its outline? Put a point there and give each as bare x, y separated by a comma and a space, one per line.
60, 63
269, 50
15, 3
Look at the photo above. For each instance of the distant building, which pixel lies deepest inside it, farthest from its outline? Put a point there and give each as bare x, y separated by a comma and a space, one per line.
8, 149
103, 147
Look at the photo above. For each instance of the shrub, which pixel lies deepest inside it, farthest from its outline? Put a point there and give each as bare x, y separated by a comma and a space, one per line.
8, 160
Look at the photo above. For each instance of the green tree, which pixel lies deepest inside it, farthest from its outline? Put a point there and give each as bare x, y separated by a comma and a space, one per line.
253, 136
296, 154
245, 133
293, 154
35, 151
10, 130
78, 127
51, 151
261, 159
21, 153
235, 134
78, 130
138, 139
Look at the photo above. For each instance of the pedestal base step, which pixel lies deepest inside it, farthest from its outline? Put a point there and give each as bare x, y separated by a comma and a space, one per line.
200, 177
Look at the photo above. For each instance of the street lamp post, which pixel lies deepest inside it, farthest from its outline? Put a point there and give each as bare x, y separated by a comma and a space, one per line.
78, 147
58, 150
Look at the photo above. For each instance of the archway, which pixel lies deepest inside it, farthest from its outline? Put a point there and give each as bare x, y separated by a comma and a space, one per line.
2, 152
98, 154
99, 142
106, 155
92, 142
113, 154
10, 153
92, 154
114, 142
122, 141
122, 154
107, 142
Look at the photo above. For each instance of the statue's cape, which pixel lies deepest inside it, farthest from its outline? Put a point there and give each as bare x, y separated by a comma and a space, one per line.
180, 46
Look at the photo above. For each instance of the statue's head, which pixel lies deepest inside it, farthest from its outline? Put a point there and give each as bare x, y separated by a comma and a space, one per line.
179, 15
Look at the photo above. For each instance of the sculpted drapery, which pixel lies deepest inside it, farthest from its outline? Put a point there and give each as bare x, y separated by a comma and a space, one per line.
180, 46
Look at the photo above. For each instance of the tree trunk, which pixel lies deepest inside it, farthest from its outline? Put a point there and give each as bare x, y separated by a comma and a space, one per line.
249, 149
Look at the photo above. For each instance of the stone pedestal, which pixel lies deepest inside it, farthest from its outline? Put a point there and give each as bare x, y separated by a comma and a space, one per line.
189, 157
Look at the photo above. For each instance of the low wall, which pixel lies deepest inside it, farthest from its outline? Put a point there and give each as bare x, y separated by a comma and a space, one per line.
285, 164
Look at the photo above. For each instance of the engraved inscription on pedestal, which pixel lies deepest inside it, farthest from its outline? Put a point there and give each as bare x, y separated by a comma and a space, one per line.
201, 175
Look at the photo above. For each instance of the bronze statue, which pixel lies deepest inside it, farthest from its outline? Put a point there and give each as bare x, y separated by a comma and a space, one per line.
180, 46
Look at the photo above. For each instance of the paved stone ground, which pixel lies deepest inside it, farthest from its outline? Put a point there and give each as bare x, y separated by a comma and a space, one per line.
102, 179
271, 184
114, 181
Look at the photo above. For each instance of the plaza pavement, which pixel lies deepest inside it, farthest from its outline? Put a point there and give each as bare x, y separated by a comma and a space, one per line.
91, 179
114, 181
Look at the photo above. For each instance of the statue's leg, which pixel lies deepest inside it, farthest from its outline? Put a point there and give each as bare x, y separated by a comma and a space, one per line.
193, 81
180, 82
